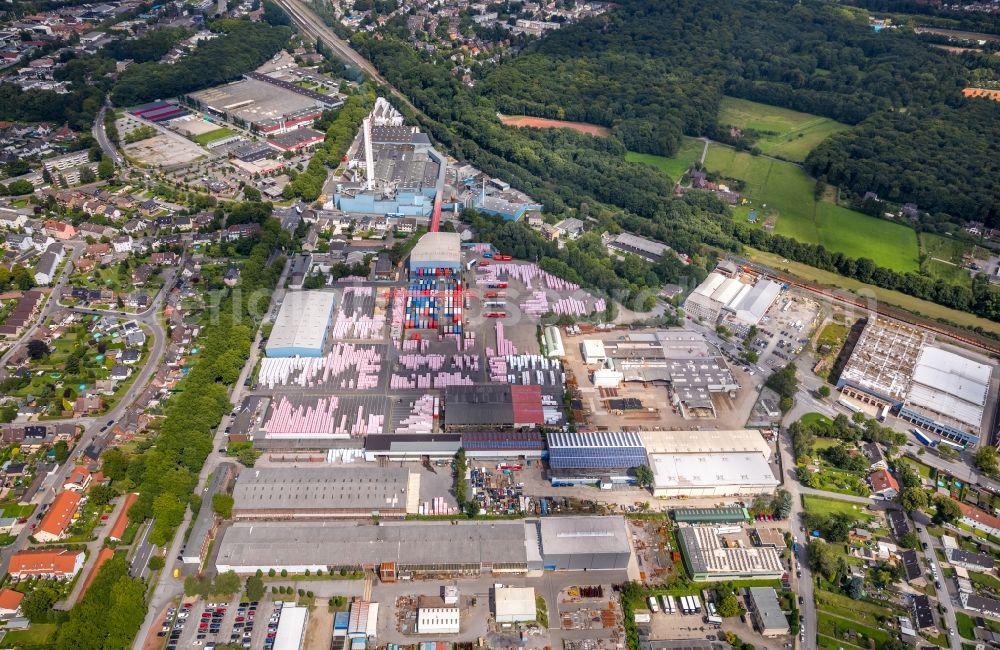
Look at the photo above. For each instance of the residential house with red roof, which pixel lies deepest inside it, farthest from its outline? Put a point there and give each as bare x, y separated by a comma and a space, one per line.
884, 484
58, 519
59, 564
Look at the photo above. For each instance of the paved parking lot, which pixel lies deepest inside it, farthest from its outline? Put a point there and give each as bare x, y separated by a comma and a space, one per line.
197, 624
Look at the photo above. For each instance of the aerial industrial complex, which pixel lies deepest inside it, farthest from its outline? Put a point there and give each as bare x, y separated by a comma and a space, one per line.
393, 169
737, 303
447, 380
302, 377
900, 369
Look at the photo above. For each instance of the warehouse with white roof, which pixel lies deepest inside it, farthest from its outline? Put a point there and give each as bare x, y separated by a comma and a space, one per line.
749, 306
514, 604
301, 326
947, 395
437, 250
291, 628
709, 463
740, 305
896, 367
709, 297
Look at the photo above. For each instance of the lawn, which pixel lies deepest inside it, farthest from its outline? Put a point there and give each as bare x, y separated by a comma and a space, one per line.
834, 335
840, 619
830, 341
885, 296
815, 418
923, 470
102, 277
674, 166
827, 506
966, 626
37, 634
211, 136
830, 479
783, 195
942, 258
786, 133
6, 307
825, 443
17, 510
985, 581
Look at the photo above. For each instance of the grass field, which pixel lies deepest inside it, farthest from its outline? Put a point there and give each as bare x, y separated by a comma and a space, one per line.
789, 134
674, 166
815, 418
985, 581
788, 194
922, 470
16, 509
895, 298
827, 506
212, 136
966, 626
841, 619
942, 258
37, 634
825, 443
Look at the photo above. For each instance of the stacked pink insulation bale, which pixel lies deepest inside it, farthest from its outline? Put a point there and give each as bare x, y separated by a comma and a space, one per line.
289, 420
345, 366
421, 417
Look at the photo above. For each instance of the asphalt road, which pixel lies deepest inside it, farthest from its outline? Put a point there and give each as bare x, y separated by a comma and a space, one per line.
802, 586
93, 426
101, 136
143, 551
167, 587
943, 595
76, 248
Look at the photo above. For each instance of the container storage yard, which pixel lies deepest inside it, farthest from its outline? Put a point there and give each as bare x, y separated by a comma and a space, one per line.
366, 358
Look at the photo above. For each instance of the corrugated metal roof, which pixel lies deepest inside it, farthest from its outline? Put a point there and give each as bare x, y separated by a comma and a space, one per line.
527, 403
485, 440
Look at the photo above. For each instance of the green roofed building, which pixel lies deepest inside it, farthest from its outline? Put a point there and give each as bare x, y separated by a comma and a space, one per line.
711, 515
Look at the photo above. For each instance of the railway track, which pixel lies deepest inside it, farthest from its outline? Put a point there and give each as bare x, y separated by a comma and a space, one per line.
844, 297
311, 24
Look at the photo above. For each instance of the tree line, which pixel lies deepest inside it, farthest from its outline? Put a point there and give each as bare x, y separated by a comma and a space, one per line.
341, 125
240, 47
165, 474
980, 298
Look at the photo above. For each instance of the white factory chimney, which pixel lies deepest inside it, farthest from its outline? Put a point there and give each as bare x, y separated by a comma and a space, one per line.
369, 157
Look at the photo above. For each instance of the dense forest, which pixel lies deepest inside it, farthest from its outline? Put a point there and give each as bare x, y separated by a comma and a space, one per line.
674, 60
652, 71
76, 108
829, 54
241, 47
960, 144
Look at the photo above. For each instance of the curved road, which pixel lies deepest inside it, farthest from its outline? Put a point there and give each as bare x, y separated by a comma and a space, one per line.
51, 486
101, 136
